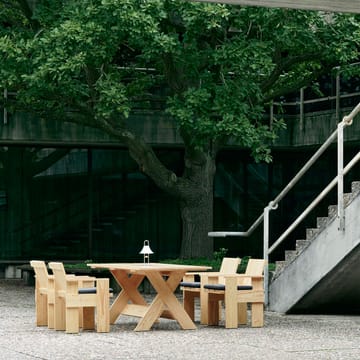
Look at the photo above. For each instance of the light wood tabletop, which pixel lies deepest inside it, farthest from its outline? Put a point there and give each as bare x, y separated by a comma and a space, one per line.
164, 278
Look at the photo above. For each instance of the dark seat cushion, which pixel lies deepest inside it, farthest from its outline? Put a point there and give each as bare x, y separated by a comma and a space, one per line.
195, 285
91, 290
222, 287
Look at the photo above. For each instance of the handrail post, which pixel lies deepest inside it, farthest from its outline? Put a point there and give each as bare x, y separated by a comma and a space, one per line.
266, 253
337, 101
5, 110
266, 233
302, 109
340, 177
347, 121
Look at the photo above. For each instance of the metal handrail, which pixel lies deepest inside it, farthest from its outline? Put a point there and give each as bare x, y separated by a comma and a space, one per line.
302, 216
247, 233
314, 101
264, 217
283, 193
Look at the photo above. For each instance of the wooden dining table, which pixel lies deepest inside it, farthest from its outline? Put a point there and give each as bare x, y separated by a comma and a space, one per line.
164, 278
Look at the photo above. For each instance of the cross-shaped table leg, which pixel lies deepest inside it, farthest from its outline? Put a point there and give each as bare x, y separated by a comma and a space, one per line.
165, 300
129, 286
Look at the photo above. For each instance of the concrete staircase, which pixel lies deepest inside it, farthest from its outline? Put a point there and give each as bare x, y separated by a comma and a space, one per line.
322, 275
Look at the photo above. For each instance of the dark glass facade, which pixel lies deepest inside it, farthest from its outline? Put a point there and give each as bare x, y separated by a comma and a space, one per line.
82, 204
95, 204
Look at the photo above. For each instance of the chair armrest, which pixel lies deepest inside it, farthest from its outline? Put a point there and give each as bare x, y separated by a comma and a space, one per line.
245, 276
249, 276
213, 274
71, 279
85, 277
189, 278
198, 272
83, 280
257, 281
210, 278
193, 276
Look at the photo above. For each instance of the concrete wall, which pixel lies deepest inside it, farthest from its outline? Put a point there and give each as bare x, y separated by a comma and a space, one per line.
24, 128
159, 129
315, 128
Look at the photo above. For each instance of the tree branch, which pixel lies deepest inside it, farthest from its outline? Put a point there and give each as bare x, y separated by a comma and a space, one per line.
28, 13
284, 65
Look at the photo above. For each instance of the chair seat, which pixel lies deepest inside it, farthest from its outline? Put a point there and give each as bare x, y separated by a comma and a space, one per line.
91, 290
195, 285
222, 287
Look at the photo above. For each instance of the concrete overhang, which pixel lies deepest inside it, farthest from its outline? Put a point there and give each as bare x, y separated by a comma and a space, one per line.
159, 130
346, 6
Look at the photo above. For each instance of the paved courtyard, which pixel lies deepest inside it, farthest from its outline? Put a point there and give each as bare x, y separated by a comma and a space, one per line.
283, 337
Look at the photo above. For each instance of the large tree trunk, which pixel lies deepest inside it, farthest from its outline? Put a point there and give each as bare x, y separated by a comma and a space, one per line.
197, 221
196, 206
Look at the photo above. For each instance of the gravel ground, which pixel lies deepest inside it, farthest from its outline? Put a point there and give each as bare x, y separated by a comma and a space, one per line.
283, 337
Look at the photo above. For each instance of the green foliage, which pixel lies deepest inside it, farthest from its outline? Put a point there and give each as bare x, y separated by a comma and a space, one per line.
213, 263
220, 254
11, 16
113, 100
81, 265
218, 65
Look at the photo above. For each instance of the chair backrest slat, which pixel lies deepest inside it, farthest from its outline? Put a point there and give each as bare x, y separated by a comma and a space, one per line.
59, 274
255, 267
228, 266
41, 272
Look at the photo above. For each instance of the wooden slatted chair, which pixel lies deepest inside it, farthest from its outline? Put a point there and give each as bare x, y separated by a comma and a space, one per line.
45, 299
192, 289
44, 294
70, 299
237, 291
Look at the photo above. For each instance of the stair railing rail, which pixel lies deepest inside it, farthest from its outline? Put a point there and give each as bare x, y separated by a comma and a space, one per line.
273, 205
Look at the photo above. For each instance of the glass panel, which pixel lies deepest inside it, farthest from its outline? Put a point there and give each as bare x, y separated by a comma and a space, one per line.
79, 204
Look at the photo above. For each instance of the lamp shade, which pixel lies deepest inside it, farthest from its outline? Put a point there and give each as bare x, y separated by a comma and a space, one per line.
146, 248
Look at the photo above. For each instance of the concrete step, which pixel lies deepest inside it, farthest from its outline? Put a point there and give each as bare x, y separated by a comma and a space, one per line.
332, 211
348, 197
311, 233
290, 255
279, 266
355, 187
321, 222
301, 244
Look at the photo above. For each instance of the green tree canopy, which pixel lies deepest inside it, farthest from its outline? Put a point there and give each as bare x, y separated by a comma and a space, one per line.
215, 66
